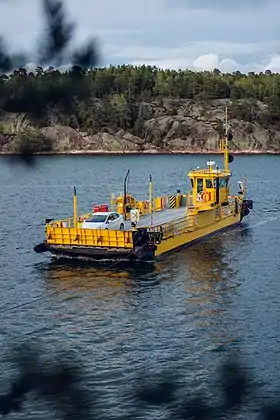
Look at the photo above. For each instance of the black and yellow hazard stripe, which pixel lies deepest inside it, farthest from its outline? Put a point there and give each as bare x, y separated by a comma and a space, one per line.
172, 201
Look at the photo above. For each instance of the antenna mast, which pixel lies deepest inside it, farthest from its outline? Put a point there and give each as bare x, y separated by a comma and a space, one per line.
151, 200
125, 193
225, 148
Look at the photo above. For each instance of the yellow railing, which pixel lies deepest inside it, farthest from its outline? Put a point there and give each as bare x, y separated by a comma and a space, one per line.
173, 228
63, 232
190, 201
189, 223
69, 222
227, 210
88, 237
159, 203
58, 234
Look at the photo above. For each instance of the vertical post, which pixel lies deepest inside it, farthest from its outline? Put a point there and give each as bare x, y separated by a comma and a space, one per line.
151, 200
125, 193
112, 202
194, 191
75, 211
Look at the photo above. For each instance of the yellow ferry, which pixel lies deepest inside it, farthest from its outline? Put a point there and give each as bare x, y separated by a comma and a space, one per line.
147, 230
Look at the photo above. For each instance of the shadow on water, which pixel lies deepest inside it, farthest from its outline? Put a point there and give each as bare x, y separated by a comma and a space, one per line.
60, 274
211, 286
213, 265
140, 267
207, 260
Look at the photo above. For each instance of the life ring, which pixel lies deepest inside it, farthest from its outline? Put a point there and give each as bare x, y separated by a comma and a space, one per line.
206, 196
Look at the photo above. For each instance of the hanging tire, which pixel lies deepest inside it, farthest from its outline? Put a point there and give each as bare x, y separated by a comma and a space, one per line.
121, 226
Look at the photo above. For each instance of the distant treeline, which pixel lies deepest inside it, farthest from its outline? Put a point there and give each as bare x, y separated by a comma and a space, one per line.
113, 96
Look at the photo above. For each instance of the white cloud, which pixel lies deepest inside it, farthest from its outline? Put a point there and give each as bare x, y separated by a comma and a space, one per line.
194, 57
227, 65
207, 62
274, 64
165, 33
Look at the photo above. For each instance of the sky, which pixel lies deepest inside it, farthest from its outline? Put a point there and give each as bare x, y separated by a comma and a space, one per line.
229, 35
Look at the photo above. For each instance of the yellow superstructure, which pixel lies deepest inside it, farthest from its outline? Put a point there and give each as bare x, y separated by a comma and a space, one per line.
164, 223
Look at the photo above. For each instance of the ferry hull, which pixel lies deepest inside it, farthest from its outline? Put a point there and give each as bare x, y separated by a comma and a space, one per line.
98, 253
88, 253
142, 253
190, 238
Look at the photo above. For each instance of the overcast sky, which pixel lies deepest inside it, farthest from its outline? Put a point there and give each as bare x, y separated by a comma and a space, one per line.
197, 34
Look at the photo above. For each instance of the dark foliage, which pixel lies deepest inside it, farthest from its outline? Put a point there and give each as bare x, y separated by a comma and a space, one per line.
6, 63
54, 46
53, 50
58, 382
61, 383
86, 56
58, 33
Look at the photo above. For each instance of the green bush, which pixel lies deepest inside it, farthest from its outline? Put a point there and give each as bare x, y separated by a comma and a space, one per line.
31, 142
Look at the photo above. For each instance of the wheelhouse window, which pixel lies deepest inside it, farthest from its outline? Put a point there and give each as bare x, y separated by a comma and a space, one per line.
223, 182
199, 185
209, 183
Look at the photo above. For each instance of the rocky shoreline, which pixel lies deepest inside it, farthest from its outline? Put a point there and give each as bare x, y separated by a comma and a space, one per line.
146, 152
191, 128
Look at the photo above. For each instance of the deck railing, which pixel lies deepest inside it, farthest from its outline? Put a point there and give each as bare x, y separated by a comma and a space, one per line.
189, 223
174, 228
63, 232
159, 203
69, 222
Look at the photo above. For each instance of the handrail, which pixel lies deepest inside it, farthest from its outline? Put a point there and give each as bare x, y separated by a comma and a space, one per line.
169, 229
159, 203
184, 224
68, 222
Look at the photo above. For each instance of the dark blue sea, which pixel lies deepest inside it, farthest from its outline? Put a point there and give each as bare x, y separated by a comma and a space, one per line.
184, 315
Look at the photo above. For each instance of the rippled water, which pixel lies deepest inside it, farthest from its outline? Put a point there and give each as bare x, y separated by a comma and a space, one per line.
183, 314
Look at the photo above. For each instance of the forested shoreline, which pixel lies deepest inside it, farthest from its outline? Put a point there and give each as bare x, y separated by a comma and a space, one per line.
144, 107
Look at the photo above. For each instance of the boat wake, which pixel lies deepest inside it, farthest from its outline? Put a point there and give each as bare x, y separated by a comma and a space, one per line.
263, 222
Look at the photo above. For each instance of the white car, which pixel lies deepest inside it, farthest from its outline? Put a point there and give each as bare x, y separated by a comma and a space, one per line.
104, 220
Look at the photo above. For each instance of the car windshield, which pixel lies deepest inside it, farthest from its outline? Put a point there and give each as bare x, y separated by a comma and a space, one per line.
97, 218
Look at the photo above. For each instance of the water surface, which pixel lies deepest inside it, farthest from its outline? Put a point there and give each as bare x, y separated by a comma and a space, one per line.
184, 314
